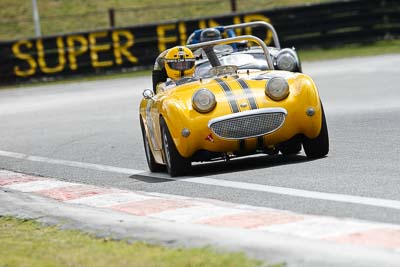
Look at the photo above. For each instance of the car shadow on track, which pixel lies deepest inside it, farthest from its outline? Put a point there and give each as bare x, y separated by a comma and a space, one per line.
245, 164
223, 167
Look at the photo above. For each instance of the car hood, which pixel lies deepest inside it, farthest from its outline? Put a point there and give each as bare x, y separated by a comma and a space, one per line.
244, 89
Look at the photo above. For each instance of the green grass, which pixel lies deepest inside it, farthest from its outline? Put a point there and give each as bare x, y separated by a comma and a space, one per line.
27, 243
16, 20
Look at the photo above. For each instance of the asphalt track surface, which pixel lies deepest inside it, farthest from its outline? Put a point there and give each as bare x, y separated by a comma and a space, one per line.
89, 133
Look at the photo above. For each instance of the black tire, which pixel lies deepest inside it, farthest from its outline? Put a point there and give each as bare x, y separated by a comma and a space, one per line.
176, 164
319, 146
151, 162
293, 148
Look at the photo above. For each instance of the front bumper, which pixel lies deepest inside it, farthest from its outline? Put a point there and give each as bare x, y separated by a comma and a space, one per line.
272, 123
245, 131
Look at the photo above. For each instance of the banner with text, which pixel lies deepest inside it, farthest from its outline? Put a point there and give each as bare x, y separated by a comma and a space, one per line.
137, 47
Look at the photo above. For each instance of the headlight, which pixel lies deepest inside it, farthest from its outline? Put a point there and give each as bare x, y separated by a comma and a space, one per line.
203, 101
286, 61
277, 88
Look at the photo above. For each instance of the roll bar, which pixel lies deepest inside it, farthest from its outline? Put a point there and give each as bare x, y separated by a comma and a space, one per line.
257, 24
252, 24
235, 40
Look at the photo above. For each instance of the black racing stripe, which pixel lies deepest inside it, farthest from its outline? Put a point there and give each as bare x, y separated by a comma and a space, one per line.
229, 95
180, 50
242, 145
250, 97
181, 56
260, 142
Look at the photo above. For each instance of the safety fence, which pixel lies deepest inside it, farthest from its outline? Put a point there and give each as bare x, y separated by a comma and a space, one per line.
126, 48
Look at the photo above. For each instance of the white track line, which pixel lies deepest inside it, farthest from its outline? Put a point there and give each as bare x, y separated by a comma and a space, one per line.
376, 202
91, 166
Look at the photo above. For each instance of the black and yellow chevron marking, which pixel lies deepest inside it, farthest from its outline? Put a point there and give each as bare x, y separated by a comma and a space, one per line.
229, 95
181, 57
249, 94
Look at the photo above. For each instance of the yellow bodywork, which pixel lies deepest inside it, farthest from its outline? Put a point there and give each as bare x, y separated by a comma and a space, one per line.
175, 106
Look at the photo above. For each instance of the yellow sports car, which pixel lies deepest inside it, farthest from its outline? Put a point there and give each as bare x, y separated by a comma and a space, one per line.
227, 97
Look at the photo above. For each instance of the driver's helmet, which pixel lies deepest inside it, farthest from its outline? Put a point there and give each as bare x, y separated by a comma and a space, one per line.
210, 34
179, 62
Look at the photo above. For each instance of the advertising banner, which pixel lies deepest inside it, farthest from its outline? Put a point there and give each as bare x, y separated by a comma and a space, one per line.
136, 47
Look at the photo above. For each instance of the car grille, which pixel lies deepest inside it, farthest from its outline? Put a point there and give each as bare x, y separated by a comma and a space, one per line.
248, 124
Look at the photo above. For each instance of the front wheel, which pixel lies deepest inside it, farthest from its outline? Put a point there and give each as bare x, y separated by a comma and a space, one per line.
176, 164
151, 162
319, 146
291, 149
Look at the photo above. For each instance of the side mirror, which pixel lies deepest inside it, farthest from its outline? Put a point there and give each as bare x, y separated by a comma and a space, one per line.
148, 94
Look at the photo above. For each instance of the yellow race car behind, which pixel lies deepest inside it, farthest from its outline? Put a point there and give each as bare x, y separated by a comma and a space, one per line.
239, 107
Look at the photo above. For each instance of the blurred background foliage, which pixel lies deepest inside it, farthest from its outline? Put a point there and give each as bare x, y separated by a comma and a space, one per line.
64, 16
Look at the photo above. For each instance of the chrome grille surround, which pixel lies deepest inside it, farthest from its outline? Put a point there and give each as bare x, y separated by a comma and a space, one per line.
248, 124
